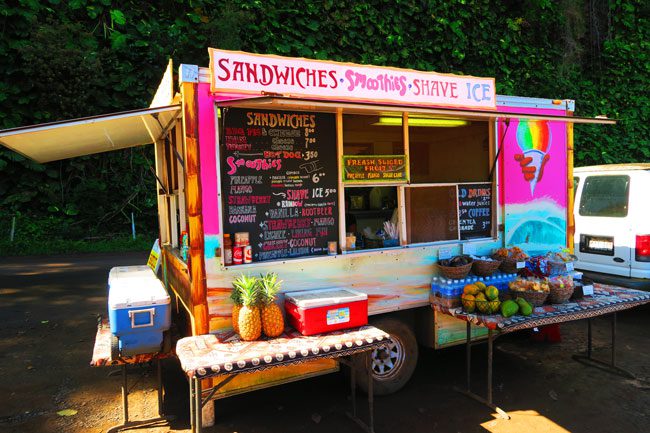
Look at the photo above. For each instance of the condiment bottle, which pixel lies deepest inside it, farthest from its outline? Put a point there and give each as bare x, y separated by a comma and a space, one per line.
227, 250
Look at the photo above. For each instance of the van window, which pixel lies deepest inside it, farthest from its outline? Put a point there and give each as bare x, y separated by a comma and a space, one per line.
576, 183
605, 196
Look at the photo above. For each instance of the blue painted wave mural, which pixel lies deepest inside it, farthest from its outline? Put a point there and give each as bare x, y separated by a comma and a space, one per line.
536, 227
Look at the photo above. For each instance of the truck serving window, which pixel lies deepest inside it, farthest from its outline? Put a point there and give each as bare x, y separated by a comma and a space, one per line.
449, 196
374, 163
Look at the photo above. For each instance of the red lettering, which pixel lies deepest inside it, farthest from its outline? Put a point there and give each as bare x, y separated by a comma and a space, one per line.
222, 64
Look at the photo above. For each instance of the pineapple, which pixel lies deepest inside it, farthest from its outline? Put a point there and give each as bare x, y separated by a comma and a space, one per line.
235, 297
249, 321
272, 320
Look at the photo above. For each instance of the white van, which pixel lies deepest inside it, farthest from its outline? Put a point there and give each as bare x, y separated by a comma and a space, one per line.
612, 221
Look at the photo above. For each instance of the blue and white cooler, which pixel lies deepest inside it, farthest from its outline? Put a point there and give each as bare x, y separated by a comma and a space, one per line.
138, 310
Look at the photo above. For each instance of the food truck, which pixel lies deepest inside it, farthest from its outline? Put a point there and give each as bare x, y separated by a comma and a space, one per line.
335, 175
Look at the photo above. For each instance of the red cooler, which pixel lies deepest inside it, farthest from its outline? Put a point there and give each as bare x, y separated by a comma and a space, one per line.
324, 310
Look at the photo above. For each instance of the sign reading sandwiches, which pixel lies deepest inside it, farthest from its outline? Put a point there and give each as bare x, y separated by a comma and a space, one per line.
238, 72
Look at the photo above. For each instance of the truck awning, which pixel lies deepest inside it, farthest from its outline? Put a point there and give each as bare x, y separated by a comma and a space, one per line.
69, 138
283, 102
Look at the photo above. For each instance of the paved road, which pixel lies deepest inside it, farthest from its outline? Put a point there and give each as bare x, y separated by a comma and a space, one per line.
48, 309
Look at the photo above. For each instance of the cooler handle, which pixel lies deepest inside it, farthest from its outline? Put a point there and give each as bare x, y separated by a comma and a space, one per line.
150, 311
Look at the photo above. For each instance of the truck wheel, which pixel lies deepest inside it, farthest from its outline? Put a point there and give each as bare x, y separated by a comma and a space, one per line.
392, 366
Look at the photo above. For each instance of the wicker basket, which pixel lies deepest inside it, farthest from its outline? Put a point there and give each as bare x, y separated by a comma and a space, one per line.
455, 272
533, 297
560, 293
485, 268
508, 265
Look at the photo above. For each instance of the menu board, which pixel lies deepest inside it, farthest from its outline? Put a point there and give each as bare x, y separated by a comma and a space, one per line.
279, 180
374, 168
475, 210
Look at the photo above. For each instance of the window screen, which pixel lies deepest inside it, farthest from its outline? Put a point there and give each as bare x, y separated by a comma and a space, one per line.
605, 196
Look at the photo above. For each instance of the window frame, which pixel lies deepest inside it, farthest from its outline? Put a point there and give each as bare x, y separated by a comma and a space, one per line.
401, 186
627, 197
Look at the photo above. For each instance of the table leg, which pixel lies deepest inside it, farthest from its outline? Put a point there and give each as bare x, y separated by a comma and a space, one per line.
126, 424
371, 396
370, 427
125, 396
159, 384
198, 422
609, 367
614, 340
468, 356
589, 338
192, 408
468, 392
489, 368
353, 389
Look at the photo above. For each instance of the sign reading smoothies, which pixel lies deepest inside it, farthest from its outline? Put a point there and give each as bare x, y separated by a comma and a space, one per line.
239, 72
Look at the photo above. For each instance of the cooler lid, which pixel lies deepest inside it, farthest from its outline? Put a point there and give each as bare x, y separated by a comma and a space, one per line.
323, 297
130, 272
136, 292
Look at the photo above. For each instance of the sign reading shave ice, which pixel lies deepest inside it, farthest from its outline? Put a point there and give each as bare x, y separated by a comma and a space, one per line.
240, 72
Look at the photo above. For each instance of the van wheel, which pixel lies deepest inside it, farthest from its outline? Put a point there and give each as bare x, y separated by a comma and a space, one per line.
392, 366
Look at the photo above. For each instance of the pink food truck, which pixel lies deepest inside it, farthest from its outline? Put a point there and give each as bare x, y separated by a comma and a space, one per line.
337, 175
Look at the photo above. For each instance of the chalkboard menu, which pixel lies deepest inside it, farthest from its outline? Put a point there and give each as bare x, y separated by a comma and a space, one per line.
475, 210
279, 180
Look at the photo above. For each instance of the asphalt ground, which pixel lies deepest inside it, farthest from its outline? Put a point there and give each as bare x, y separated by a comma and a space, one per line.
48, 314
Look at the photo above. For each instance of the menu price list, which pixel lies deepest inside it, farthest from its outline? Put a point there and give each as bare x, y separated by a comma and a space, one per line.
279, 181
475, 210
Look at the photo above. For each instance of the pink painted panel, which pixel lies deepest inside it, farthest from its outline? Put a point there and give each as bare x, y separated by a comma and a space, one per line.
208, 147
534, 181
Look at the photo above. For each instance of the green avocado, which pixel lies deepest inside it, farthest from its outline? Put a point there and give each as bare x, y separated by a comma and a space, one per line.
524, 307
509, 308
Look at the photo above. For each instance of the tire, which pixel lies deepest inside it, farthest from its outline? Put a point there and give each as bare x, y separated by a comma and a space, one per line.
393, 366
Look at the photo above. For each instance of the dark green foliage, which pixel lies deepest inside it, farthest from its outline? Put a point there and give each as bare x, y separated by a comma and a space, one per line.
86, 57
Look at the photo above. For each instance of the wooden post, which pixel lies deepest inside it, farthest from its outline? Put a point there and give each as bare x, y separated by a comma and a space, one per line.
178, 143
401, 195
570, 221
196, 261
163, 209
492, 151
339, 153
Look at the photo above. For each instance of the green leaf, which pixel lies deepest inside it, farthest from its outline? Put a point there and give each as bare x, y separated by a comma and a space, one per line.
118, 17
67, 412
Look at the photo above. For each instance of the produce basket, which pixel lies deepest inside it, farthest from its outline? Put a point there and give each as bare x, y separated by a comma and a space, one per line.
559, 263
561, 291
509, 266
535, 298
455, 272
477, 306
485, 268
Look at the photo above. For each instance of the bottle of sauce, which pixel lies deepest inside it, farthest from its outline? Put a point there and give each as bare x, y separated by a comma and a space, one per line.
227, 250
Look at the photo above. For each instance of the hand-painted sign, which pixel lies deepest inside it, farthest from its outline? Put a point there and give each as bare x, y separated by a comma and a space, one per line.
240, 72
154, 257
375, 168
280, 181
475, 210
